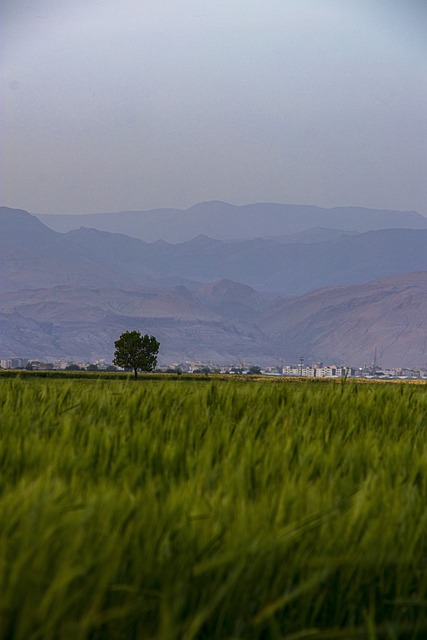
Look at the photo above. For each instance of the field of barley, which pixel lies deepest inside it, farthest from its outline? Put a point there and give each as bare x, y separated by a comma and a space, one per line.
212, 509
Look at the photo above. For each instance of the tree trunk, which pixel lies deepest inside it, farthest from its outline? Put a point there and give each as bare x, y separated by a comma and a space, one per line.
135, 372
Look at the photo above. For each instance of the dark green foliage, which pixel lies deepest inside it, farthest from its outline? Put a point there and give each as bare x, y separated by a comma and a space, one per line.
254, 369
136, 352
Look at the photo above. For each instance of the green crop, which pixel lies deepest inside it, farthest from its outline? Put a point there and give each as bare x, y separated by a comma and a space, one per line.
172, 509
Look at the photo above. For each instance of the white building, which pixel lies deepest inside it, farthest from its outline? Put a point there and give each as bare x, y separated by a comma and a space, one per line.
14, 363
317, 370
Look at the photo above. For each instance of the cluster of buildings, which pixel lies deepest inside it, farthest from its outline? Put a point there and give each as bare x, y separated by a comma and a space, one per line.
315, 370
14, 363
318, 370
26, 363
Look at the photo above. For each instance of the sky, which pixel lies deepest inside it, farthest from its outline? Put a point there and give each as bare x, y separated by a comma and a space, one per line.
114, 105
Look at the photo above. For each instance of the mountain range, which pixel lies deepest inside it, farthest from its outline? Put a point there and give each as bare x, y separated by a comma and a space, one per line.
224, 221
329, 293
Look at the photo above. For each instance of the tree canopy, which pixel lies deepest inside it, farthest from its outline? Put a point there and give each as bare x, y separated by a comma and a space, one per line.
136, 352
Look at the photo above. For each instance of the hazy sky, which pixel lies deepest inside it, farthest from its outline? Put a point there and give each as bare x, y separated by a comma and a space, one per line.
111, 105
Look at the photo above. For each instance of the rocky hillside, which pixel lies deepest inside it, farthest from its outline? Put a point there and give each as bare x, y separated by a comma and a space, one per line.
71, 294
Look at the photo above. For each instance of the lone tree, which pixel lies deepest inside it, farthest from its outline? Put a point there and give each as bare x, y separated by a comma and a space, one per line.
135, 351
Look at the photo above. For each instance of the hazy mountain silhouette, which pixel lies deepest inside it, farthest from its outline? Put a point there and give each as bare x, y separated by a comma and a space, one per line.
267, 265
224, 221
71, 294
34, 256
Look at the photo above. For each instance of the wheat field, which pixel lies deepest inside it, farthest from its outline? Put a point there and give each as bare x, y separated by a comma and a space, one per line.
212, 509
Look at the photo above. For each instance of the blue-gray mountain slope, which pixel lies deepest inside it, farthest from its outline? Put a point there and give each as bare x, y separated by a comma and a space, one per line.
71, 294
224, 221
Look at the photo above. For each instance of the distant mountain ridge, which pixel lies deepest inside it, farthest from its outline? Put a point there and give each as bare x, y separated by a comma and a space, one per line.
224, 221
71, 294
42, 257
267, 265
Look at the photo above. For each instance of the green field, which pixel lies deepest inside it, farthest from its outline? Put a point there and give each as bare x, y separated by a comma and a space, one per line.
198, 509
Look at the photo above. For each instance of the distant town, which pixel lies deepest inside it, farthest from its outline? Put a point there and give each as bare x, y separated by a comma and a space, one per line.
314, 370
